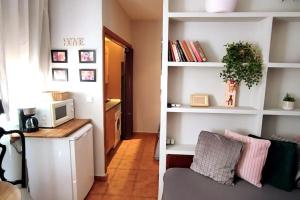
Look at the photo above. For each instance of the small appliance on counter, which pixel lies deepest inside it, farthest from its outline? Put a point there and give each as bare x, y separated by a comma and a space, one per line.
54, 113
28, 123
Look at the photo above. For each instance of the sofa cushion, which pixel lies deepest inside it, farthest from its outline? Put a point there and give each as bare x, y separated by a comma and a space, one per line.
296, 140
184, 183
253, 157
216, 157
281, 164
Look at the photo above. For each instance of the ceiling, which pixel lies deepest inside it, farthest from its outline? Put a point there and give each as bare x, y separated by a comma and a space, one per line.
142, 9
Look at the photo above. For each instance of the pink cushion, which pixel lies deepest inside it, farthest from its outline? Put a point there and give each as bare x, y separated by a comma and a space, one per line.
253, 157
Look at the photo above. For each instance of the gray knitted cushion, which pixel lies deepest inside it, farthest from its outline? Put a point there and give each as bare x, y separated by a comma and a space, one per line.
216, 157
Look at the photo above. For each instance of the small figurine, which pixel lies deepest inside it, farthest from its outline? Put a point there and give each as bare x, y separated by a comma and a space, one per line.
230, 94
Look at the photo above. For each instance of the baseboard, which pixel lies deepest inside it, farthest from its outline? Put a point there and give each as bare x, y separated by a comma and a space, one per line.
101, 178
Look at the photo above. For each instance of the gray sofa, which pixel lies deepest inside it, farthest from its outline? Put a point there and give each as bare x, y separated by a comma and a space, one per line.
185, 184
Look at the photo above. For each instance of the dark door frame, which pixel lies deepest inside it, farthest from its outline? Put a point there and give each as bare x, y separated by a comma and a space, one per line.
128, 47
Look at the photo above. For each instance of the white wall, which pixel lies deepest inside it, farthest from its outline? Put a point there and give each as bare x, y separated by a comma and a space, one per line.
81, 18
116, 19
146, 40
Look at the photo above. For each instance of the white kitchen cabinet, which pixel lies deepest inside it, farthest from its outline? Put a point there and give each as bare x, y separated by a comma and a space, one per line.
61, 168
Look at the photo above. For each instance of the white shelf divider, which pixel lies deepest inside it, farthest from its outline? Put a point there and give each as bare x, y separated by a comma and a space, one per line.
281, 112
181, 149
233, 16
285, 65
214, 110
197, 64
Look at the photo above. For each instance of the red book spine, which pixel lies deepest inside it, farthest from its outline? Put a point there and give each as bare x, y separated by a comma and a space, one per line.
191, 51
171, 51
195, 52
184, 51
190, 57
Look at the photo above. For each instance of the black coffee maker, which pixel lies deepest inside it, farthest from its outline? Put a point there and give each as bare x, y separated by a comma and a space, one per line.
27, 122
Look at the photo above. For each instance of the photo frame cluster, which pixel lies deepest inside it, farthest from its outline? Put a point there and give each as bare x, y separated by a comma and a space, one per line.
85, 56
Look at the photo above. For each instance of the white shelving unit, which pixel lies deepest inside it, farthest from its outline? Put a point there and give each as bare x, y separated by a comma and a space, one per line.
196, 64
259, 109
181, 149
285, 65
281, 112
214, 110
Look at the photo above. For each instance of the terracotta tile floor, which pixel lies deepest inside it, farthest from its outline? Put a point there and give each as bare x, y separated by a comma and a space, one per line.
132, 172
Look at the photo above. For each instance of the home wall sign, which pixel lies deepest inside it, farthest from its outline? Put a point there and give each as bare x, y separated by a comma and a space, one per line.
73, 41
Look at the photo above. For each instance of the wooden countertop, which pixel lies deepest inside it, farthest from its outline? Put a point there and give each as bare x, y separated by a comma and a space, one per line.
63, 130
9, 191
111, 104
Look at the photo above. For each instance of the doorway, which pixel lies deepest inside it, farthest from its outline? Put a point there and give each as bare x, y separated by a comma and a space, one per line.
118, 92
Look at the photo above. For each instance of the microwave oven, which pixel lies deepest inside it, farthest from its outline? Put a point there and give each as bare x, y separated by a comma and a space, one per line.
51, 114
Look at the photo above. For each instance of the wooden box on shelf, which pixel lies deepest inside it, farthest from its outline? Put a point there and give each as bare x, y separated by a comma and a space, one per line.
199, 100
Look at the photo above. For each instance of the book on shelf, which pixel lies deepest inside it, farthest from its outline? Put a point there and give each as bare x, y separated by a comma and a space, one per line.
191, 51
169, 53
186, 51
197, 55
200, 51
175, 52
171, 56
181, 54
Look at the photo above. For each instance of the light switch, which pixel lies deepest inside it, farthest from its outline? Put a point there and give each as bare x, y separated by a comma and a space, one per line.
89, 99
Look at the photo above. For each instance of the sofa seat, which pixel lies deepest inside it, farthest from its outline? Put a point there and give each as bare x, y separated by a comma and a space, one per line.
183, 183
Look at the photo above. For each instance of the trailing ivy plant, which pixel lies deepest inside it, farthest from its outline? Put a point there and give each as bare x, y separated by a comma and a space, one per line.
243, 62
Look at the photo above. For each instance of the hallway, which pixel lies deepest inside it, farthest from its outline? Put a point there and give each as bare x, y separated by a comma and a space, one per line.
132, 173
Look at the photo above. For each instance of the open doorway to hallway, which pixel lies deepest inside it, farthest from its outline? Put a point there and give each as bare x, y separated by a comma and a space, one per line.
118, 83
131, 167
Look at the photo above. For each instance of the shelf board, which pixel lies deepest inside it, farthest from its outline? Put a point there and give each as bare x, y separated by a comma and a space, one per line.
196, 64
232, 16
281, 112
181, 149
214, 110
285, 65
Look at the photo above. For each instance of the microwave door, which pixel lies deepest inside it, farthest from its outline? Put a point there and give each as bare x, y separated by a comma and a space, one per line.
60, 114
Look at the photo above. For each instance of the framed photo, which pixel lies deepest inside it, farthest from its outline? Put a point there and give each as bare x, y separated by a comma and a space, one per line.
59, 56
87, 56
60, 74
87, 75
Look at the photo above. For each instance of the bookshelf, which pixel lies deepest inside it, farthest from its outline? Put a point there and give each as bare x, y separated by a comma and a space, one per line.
214, 110
181, 149
280, 112
196, 64
259, 109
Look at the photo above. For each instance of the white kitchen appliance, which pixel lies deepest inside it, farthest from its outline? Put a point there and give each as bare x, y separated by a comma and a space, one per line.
61, 168
118, 116
51, 114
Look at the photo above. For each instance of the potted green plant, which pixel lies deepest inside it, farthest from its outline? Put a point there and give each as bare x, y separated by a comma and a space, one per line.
243, 62
288, 102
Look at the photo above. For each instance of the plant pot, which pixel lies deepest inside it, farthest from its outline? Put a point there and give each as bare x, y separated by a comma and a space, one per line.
220, 5
288, 105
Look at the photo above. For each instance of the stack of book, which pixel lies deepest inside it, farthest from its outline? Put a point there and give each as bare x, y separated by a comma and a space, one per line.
185, 51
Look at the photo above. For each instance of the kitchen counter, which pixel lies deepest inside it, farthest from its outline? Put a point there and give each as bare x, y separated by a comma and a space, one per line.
63, 130
9, 191
112, 103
